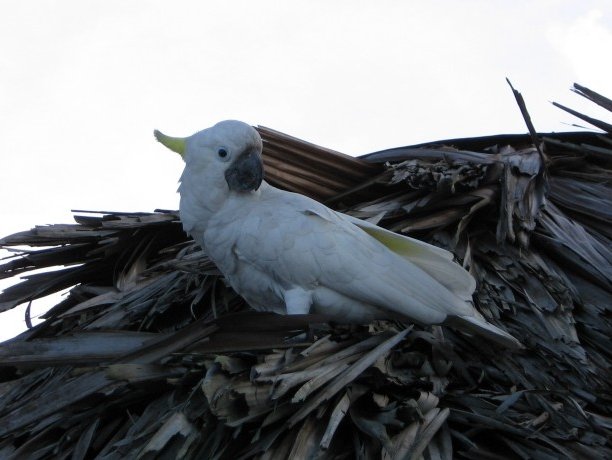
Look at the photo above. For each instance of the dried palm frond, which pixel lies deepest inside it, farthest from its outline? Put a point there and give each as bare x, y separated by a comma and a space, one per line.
151, 355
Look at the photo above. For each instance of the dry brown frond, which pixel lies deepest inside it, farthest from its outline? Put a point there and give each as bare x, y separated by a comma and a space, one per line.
151, 355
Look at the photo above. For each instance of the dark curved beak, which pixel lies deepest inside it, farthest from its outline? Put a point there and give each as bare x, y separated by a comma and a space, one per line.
246, 172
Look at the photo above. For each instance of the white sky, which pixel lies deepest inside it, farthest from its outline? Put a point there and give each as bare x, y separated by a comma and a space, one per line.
84, 83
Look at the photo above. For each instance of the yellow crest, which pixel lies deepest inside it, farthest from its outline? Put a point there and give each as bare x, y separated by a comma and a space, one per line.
176, 144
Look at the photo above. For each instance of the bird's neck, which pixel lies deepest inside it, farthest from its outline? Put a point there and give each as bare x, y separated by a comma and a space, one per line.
200, 202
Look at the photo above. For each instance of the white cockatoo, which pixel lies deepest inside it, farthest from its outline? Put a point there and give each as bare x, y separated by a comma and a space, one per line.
287, 253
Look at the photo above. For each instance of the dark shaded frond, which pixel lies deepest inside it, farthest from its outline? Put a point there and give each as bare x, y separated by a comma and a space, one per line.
151, 355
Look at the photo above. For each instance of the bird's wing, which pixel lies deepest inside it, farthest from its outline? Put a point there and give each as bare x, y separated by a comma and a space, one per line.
434, 260
300, 242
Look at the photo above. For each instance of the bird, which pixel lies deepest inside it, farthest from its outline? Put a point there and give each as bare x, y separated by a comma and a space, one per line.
287, 253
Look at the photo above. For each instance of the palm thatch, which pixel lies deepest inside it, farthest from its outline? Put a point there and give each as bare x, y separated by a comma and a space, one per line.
151, 355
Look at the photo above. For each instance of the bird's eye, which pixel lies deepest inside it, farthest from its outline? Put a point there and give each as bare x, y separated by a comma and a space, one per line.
222, 153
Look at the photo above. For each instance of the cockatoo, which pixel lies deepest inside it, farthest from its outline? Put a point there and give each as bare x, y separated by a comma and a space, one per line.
287, 253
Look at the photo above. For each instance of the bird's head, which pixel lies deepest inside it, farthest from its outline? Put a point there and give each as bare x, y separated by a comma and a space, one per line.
228, 153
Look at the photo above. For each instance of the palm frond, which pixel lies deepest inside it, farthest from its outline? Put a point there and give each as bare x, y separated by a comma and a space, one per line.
151, 355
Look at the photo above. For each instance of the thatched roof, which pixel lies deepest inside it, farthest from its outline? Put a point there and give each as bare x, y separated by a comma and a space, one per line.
151, 355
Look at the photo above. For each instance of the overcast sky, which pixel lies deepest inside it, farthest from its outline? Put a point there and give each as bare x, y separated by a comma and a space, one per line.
84, 83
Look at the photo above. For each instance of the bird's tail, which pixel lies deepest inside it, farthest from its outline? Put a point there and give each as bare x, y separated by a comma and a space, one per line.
485, 329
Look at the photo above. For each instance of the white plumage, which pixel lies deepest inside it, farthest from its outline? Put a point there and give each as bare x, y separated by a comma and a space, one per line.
287, 253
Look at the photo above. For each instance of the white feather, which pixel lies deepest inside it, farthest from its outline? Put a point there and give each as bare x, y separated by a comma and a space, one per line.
287, 253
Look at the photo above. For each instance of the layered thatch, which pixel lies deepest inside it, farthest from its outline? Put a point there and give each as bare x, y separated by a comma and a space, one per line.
151, 355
